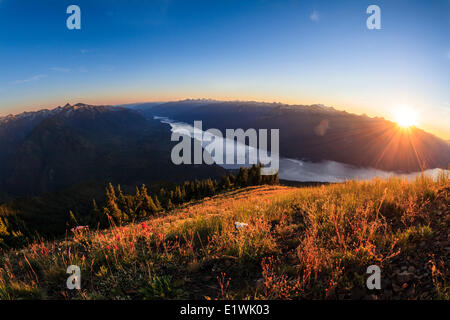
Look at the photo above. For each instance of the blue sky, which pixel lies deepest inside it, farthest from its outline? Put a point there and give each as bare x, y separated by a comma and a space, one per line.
293, 51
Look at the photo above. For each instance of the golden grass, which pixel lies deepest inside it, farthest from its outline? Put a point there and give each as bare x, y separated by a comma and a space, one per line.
299, 243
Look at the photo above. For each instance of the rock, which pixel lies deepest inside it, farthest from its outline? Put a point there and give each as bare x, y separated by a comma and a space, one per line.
240, 225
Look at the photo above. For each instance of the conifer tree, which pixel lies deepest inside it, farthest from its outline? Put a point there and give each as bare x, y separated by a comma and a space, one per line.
4, 234
157, 204
169, 204
148, 204
112, 209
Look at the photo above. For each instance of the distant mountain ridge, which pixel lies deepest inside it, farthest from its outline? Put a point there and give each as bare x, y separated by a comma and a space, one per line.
48, 150
318, 133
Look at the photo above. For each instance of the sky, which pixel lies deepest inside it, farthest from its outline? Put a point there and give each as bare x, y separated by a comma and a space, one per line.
291, 51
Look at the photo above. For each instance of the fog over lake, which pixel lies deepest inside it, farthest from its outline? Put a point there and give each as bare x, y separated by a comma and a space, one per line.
300, 170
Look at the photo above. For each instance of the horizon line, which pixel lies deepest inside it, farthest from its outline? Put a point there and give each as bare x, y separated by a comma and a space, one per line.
337, 109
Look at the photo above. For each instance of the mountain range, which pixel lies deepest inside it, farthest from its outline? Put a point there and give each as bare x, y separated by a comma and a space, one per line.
317, 133
49, 150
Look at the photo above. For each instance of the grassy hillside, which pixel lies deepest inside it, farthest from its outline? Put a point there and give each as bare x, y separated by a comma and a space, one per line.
299, 243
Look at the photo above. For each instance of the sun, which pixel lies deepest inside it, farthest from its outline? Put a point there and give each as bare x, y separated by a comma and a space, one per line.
405, 117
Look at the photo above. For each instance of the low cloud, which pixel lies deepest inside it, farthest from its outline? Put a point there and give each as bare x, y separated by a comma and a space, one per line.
331, 171
31, 79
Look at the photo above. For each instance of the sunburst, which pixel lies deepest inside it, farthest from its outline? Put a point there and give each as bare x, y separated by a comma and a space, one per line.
405, 117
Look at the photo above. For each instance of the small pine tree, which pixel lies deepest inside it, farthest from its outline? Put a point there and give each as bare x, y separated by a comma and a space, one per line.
148, 205
157, 204
73, 221
209, 187
243, 177
225, 182
111, 208
4, 234
169, 204
98, 217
